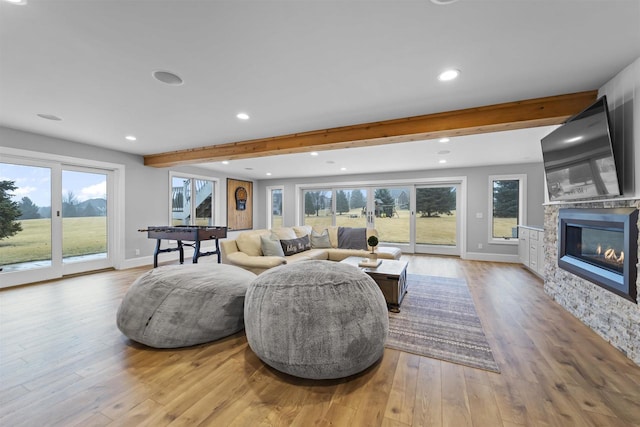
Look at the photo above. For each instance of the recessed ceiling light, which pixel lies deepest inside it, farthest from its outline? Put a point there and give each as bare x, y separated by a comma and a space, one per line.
225, 162
448, 75
49, 117
442, 161
19, 2
444, 140
242, 116
443, 2
130, 137
343, 169
441, 152
314, 153
168, 78
268, 173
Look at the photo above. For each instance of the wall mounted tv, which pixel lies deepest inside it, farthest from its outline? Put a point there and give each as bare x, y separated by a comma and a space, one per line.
578, 157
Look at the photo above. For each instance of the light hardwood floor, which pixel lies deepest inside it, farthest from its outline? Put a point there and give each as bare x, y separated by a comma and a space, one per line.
64, 362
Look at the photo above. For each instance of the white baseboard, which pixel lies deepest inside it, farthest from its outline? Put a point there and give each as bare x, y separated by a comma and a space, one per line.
136, 262
164, 257
481, 256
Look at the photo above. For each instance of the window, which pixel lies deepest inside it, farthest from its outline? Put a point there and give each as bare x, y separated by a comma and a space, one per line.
506, 207
274, 207
318, 207
193, 200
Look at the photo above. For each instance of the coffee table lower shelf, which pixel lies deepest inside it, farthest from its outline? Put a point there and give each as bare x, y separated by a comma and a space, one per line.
391, 278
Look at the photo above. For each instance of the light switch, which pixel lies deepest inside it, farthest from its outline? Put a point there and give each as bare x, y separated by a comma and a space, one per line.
479, 215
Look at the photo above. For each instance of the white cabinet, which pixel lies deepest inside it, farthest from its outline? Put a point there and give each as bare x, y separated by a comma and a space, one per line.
523, 245
531, 248
541, 254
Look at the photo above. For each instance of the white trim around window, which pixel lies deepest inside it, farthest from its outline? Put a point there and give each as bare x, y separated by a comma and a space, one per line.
522, 206
116, 216
269, 198
216, 194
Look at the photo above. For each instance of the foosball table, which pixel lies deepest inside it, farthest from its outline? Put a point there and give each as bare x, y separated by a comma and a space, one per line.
186, 235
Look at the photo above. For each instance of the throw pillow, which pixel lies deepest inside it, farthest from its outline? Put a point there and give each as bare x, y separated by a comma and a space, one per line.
293, 246
320, 240
271, 246
352, 238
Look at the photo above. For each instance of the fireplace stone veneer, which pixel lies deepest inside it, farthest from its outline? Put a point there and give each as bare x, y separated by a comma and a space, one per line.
615, 319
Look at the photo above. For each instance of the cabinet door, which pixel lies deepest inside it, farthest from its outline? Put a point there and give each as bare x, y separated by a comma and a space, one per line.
533, 252
523, 245
541, 253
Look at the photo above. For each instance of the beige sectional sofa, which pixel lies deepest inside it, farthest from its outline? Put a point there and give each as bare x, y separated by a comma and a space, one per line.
246, 250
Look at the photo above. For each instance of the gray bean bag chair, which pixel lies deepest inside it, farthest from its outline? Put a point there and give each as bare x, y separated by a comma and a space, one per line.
184, 305
316, 319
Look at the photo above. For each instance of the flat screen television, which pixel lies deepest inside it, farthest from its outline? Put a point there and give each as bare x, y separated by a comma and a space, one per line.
578, 157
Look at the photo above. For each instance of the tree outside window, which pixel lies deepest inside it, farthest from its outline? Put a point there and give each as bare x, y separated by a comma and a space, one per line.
506, 209
432, 202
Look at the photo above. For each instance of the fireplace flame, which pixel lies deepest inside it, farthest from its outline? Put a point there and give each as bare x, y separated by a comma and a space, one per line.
611, 255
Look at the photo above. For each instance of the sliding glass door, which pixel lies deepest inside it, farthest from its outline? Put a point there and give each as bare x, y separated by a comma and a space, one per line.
26, 233
84, 215
391, 215
351, 207
417, 217
318, 207
437, 225
56, 220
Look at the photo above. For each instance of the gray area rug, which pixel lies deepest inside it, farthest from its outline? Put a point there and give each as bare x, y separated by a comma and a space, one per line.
438, 319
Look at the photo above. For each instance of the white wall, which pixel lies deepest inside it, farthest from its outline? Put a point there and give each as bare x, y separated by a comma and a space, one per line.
623, 96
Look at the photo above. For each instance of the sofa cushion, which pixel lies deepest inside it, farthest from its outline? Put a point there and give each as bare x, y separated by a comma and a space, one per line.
302, 230
333, 236
320, 240
293, 246
388, 252
320, 254
249, 242
352, 238
286, 233
270, 245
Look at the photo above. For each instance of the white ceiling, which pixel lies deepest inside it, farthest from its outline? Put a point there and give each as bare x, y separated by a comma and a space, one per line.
296, 66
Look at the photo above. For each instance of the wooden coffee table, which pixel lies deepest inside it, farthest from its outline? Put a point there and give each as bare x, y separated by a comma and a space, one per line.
391, 277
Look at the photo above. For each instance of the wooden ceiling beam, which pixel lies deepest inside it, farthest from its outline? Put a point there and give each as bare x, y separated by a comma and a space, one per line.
492, 118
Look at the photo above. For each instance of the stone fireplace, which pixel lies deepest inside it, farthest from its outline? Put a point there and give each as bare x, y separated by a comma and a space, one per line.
600, 245
608, 308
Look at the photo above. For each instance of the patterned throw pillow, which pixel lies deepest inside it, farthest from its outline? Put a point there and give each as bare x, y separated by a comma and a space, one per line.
294, 246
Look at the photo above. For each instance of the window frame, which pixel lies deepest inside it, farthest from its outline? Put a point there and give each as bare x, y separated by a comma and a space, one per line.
522, 208
215, 212
269, 198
